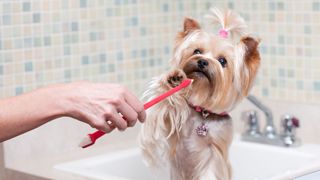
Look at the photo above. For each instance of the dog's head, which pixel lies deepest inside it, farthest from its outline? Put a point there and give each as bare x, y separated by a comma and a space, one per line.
223, 70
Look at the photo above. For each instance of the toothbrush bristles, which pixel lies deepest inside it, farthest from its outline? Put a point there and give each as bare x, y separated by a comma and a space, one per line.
85, 142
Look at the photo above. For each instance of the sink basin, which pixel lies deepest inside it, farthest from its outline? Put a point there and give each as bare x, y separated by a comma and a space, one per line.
249, 161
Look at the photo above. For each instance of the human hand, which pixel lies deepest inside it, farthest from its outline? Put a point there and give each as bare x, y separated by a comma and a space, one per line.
99, 105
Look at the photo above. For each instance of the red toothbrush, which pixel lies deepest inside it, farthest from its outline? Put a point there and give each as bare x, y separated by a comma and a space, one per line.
91, 138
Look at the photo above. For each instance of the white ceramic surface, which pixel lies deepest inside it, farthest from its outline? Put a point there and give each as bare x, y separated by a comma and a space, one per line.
250, 161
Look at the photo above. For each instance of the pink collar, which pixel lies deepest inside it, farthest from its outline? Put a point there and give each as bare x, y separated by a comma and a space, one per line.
206, 112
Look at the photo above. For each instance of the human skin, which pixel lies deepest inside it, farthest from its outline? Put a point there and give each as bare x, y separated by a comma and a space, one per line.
97, 104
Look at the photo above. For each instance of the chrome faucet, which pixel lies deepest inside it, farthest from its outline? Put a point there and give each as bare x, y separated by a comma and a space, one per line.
269, 136
289, 124
270, 130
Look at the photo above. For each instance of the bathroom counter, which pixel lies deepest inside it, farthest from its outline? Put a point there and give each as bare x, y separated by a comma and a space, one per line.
44, 167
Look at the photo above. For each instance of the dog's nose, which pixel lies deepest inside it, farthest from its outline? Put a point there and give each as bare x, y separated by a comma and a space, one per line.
202, 63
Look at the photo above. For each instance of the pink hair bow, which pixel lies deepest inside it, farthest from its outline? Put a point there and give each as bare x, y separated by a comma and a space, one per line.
223, 33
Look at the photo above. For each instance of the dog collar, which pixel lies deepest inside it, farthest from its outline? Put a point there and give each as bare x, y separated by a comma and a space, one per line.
205, 113
203, 129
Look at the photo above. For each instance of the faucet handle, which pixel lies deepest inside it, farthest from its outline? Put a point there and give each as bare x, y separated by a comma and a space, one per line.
289, 123
252, 122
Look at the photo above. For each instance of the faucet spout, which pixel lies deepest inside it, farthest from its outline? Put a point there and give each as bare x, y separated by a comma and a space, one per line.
270, 130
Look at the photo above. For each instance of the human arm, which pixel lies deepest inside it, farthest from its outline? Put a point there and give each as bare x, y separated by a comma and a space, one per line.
92, 103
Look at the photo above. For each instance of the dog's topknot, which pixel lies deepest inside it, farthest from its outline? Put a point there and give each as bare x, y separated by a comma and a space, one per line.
230, 21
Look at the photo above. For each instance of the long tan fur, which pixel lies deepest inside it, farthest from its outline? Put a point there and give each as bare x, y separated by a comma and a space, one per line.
168, 137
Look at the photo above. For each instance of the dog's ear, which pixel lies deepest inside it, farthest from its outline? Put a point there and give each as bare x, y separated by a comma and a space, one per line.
252, 55
248, 62
189, 25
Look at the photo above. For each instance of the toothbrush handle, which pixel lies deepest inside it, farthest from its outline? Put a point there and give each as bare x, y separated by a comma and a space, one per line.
97, 134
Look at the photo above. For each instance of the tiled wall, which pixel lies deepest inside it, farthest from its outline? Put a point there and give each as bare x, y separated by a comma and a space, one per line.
129, 41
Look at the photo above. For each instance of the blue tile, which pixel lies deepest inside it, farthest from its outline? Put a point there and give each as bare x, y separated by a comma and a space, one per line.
111, 68
83, 3
300, 85
143, 53
6, 19
307, 29
230, 5
143, 31
93, 36
151, 62
26, 6
126, 34
47, 41
281, 39
119, 56
37, 42
316, 6
272, 6
74, 38
117, 2
85, 60
166, 50
272, 17
273, 50
180, 7
282, 83
281, 51
274, 82
316, 86
134, 53
265, 92
6, 8
246, 16
160, 62
28, 66
134, 21
281, 72
144, 74
103, 69
280, 6
103, 58
19, 90
66, 39
74, 26
290, 73
27, 42
67, 74
109, 12
67, 50
17, 43
264, 49
165, 7
36, 17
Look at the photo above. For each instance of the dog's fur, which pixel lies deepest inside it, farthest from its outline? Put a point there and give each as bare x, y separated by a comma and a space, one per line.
168, 136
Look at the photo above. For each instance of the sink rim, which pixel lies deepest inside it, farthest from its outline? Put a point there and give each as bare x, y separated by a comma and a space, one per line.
80, 166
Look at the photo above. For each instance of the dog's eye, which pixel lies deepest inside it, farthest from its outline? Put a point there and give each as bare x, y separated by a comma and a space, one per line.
222, 61
197, 51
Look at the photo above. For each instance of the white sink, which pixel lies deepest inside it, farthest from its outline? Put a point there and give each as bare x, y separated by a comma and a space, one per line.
250, 161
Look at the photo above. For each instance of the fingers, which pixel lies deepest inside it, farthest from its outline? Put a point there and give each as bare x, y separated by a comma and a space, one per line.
129, 114
136, 105
101, 124
112, 115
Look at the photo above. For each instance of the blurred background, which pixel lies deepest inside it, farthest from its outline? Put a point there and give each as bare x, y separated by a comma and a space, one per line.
130, 41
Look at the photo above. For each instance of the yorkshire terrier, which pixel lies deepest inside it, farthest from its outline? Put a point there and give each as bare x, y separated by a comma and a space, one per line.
191, 131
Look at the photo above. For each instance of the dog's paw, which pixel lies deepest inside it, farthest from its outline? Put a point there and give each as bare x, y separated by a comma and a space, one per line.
176, 77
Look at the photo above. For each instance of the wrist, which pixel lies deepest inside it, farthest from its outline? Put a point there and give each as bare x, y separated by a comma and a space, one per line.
56, 101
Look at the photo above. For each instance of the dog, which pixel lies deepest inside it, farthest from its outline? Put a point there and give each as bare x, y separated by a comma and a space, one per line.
191, 131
